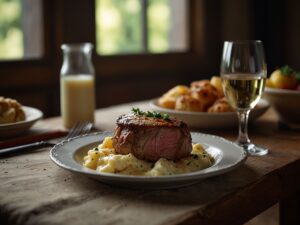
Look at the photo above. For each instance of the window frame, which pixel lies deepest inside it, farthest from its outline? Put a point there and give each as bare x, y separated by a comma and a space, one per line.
39, 78
145, 63
144, 29
16, 69
56, 20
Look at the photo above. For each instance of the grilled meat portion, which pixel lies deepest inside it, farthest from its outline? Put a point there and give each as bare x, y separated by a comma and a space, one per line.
151, 138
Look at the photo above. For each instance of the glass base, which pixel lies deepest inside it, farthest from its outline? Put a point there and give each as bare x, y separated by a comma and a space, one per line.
254, 150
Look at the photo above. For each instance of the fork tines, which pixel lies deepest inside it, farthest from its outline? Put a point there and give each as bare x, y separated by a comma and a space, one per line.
79, 128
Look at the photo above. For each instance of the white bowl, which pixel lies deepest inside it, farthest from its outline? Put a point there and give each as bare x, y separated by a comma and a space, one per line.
208, 120
286, 103
12, 129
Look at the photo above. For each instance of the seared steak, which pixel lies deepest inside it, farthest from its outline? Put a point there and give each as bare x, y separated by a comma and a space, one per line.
151, 138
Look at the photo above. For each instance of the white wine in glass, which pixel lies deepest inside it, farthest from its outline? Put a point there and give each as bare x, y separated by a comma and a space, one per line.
243, 72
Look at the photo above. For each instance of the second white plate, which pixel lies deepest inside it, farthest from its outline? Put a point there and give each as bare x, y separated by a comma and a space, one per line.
207, 120
12, 129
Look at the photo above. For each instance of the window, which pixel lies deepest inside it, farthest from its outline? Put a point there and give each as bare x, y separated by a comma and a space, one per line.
127, 61
141, 26
20, 29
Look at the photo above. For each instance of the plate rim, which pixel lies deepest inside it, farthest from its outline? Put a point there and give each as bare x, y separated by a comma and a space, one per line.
153, 104
269, 90
197, 175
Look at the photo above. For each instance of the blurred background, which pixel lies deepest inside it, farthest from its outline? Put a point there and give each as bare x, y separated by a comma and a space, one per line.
141, 47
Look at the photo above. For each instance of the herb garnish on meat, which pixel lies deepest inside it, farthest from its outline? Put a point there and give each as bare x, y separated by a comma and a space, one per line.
152, 114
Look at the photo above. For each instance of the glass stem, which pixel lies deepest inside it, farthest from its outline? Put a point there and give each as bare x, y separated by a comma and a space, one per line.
243, 125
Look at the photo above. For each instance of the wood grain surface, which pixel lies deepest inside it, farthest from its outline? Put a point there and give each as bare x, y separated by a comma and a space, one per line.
33, 190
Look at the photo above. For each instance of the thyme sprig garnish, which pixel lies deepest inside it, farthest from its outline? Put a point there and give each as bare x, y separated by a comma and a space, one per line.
137, 111
152, 114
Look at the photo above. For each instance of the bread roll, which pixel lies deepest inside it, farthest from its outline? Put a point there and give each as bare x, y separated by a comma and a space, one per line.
188, 103
168, 100
221, 105
217, 83
200, 84
10, 111
206, 93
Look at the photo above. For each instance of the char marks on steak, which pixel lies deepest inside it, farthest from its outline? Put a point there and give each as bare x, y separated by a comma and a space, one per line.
151, 138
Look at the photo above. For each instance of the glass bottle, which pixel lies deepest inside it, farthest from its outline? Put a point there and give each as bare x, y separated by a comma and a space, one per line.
77, 84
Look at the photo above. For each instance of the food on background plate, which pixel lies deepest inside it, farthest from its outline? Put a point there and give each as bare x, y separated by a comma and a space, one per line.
205, 92
217, 83
199, 97
149, 144
284, 78
189, 103
221, 105
10, 111
168, 100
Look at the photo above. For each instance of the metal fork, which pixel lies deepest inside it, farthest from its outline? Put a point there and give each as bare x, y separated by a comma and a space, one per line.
80, 128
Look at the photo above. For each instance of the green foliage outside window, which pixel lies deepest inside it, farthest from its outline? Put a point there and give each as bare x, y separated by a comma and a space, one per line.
159, 17
119, 26
11, 36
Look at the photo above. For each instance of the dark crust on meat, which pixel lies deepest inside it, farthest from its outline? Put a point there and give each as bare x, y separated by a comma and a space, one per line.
132, 120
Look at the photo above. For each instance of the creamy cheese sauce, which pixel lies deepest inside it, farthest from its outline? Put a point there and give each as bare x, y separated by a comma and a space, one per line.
104, 159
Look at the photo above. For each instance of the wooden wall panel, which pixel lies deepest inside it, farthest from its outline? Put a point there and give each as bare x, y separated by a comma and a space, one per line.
237, 20
292, 32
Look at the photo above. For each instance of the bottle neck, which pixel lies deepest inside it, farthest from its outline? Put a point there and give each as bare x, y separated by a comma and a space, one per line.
77, 62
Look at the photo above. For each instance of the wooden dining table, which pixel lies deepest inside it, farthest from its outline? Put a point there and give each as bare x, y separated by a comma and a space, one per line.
33, 190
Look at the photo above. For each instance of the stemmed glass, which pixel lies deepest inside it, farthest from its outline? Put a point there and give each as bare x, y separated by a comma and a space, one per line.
243, 73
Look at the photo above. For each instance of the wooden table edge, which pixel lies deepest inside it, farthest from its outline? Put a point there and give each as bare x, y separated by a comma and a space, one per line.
273, 188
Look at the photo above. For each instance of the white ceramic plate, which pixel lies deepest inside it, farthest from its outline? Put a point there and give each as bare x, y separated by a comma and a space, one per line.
207, 120
286, 104
11, 129
69, 155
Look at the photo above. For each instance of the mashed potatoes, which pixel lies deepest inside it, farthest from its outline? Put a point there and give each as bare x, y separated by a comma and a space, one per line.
104, 159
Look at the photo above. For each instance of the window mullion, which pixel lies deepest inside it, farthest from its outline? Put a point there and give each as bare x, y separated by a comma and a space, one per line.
144, 25
32, 28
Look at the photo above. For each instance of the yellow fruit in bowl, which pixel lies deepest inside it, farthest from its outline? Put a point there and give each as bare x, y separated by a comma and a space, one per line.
284, 78
269, 83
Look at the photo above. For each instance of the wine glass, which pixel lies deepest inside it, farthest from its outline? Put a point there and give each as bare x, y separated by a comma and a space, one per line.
243, 73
